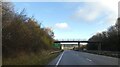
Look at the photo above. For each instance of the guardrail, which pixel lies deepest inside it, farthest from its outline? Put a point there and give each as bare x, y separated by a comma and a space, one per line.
71, 40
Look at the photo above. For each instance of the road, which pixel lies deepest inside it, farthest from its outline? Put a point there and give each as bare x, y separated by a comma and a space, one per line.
70, 57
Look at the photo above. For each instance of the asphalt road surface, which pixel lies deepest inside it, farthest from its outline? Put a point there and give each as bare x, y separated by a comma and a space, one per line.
70, 57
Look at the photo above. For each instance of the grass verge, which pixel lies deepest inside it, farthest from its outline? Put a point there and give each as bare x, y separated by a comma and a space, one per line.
105, 53
42, 58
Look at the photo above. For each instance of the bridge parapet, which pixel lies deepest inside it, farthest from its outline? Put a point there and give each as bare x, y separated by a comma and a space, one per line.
71, 39
78, 41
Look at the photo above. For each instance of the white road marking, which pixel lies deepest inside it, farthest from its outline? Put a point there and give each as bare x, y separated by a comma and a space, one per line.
88, 59
59, 59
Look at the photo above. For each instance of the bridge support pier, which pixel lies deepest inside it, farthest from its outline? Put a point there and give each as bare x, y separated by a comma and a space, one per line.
99, 47
78, 45
62, 46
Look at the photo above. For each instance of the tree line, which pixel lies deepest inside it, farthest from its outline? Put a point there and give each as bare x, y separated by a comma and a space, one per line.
109, 39
22, 34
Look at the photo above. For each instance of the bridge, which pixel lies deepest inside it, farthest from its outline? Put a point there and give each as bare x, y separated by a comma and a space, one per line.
78, 41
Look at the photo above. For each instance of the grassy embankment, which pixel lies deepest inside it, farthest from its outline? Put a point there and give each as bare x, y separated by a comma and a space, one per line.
42, 58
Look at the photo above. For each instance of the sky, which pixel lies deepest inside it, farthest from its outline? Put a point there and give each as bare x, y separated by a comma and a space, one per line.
73, 20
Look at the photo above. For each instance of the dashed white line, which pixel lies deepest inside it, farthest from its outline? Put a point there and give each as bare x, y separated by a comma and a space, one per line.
88, 59
59, 59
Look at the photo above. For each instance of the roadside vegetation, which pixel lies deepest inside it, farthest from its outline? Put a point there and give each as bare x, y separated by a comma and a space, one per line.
109, 42
23, 39
109, 39
42, 58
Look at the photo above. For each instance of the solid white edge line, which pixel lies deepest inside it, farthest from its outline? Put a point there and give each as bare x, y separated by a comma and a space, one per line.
59, 59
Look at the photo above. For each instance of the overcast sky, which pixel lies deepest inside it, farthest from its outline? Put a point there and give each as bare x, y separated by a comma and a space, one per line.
73, 20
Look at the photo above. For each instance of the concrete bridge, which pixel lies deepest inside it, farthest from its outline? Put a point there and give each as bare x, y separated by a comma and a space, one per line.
78, 45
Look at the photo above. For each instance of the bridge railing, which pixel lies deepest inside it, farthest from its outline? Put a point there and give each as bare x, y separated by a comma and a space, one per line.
71, 39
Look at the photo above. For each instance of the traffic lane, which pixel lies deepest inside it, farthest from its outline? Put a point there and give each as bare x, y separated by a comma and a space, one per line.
99, 59
72, 58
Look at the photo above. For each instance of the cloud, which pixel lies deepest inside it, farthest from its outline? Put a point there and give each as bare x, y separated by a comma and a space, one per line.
113, 6
110, 4
63, 25
109, 20
96, 11
119, 9
88, 12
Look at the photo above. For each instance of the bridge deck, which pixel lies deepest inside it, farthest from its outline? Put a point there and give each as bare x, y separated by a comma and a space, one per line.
77, 41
